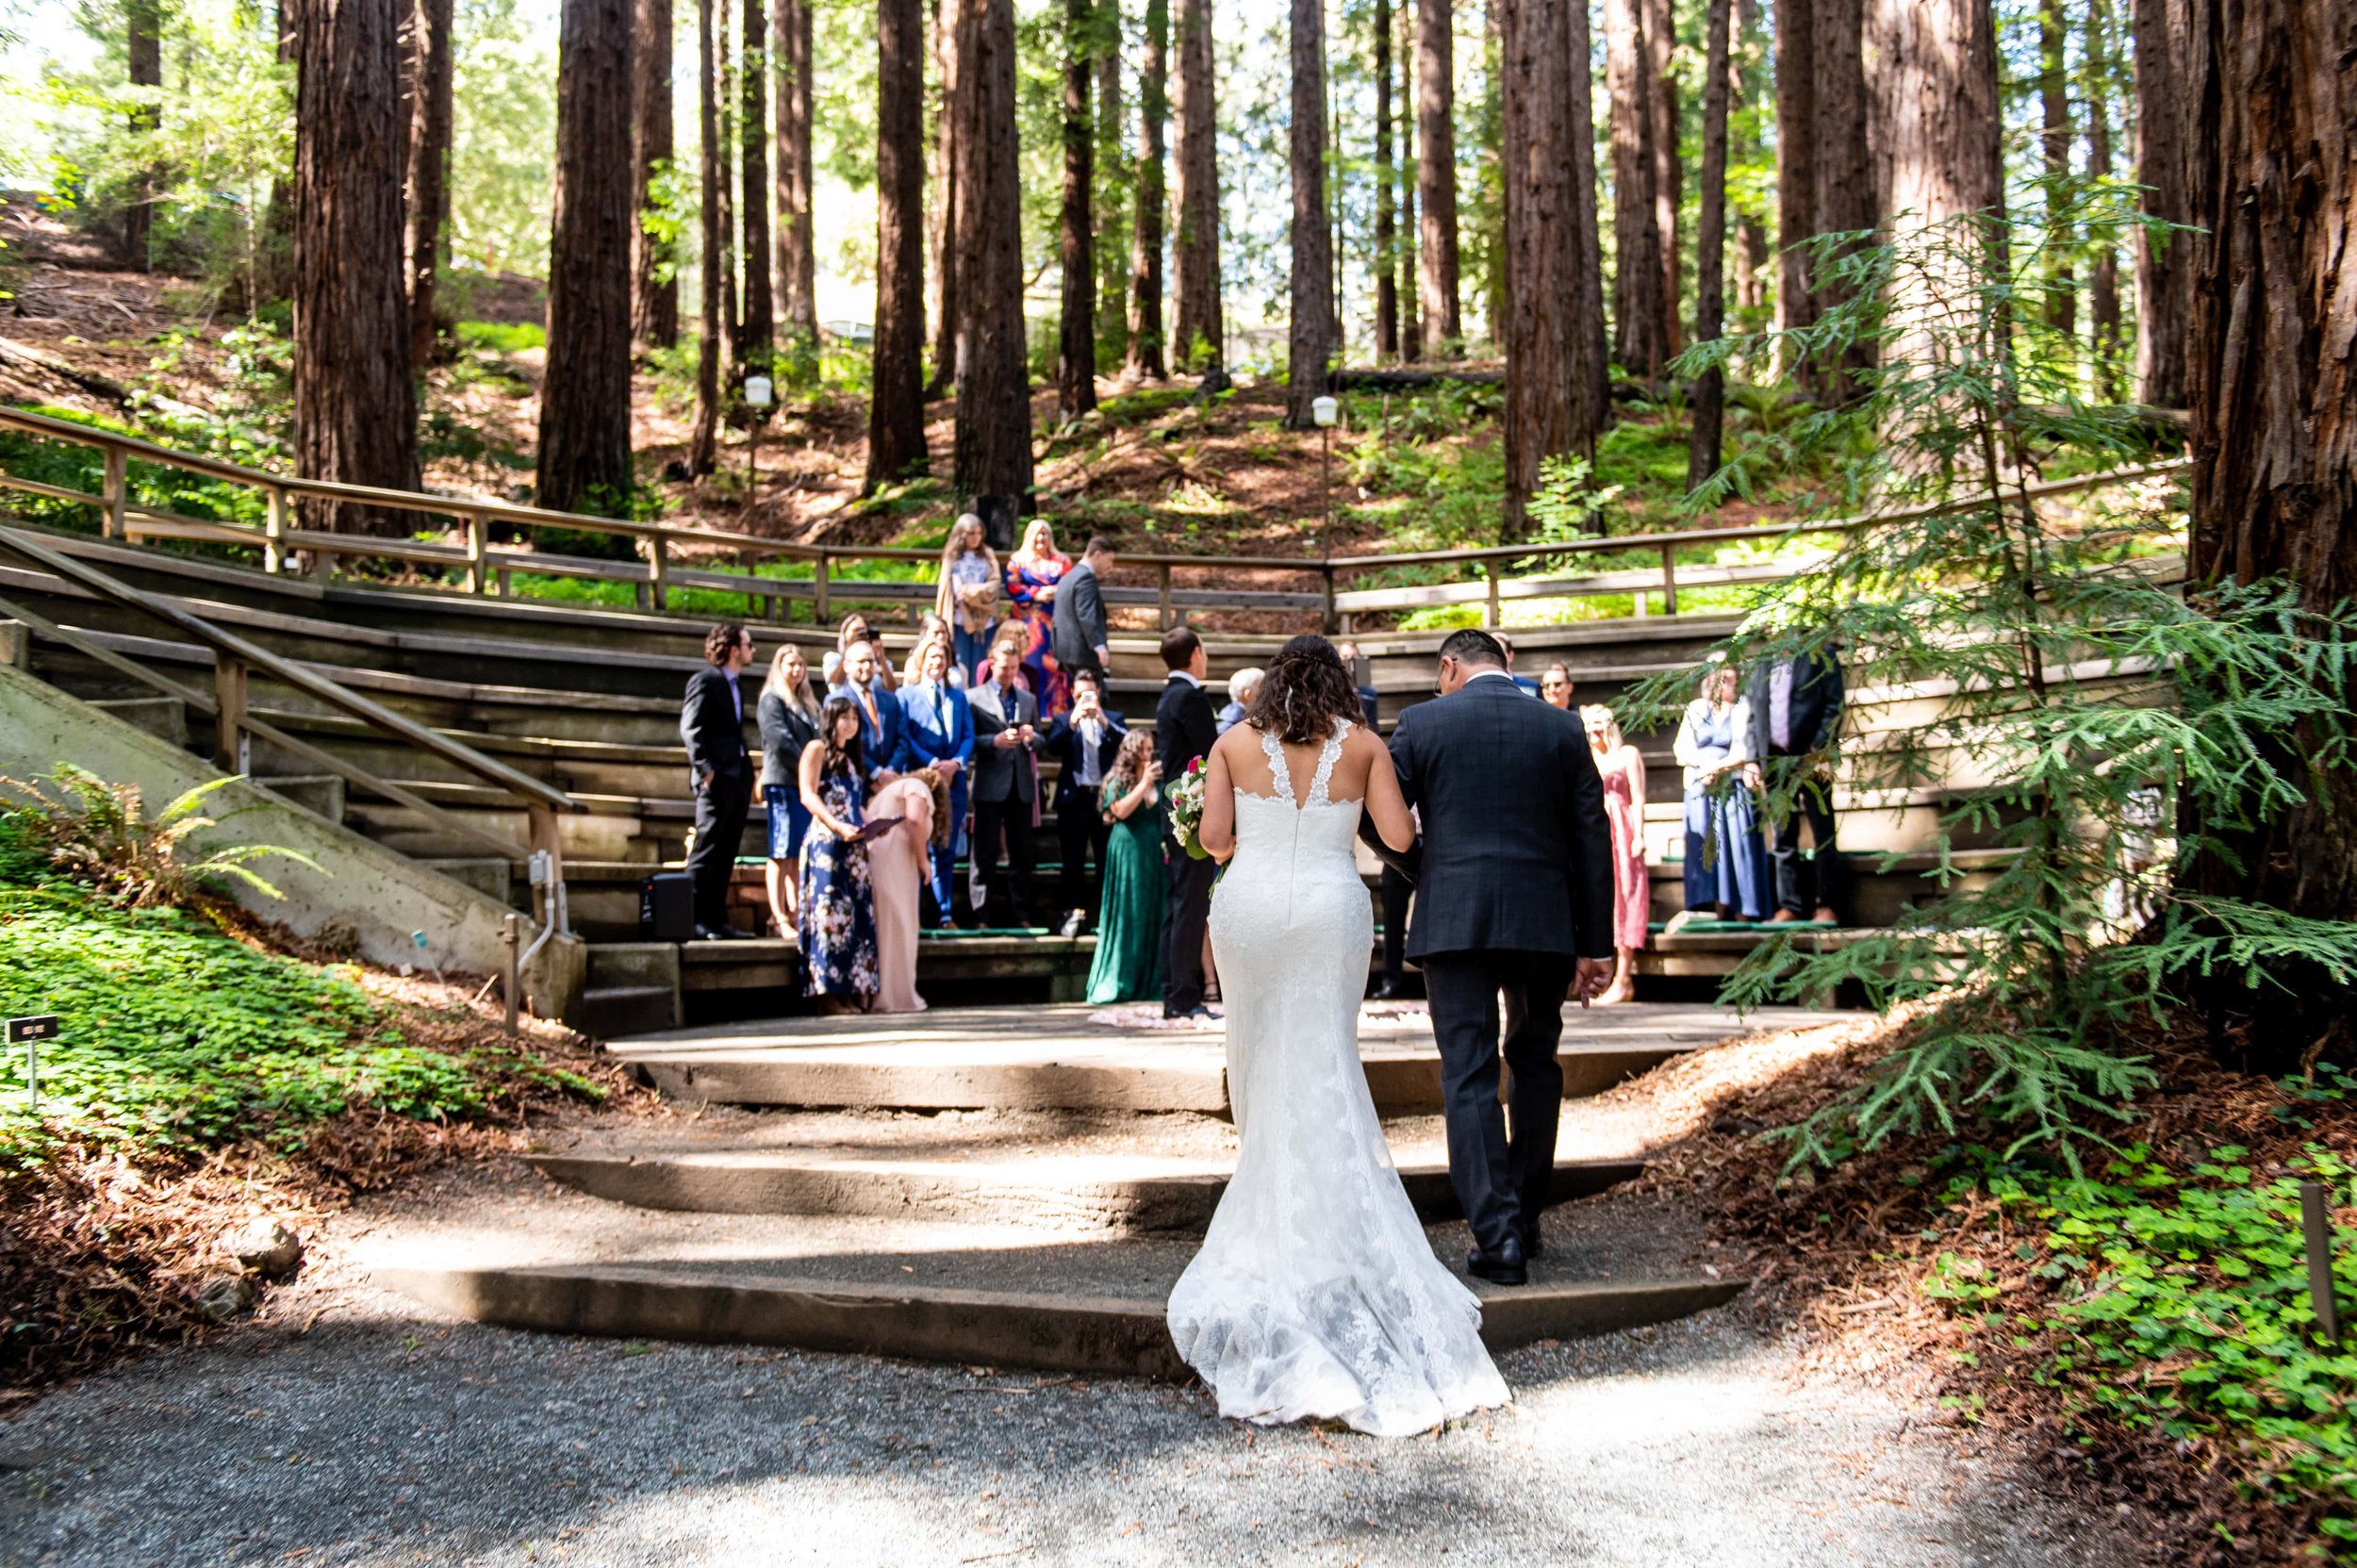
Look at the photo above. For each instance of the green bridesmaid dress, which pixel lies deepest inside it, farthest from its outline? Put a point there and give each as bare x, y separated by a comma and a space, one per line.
1129, 917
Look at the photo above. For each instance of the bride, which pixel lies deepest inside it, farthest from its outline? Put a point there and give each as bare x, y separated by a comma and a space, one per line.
1317, 1294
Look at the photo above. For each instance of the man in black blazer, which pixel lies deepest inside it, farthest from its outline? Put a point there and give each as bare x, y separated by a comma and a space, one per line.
1081, 637
720, 771
1084, 743
1514, 898
1184, 727
1005, 787
1796, 716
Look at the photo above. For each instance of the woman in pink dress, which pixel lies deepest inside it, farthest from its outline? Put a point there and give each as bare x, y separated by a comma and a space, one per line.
897, 866
1623, 769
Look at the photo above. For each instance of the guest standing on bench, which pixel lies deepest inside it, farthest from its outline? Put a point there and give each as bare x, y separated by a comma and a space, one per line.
720, 769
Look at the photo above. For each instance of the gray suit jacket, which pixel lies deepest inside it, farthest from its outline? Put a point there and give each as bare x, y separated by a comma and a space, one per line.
1003, 772
1079, 618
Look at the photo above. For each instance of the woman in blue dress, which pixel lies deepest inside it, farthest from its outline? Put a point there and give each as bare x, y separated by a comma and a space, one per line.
939, 732
1726, 866
1034, 574
838, 913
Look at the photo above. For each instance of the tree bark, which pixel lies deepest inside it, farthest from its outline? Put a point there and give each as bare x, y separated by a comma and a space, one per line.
428, 205
1711, 241
585, 399
355, 413
1596, 359
1199, 334
797, 250
1436, 178
1110, 203
1147, 357
1751, 236
2273, 376
1310, 338
760, 321
1669, 170
945, 211
143, 61
1076, 334
2103, 276
1637, 305
1386, 279
994, 415
895, 404
2053, 90
2165, 169
1843, 168
712, 256
1796, 160
732, 313
1404, 174
655, 298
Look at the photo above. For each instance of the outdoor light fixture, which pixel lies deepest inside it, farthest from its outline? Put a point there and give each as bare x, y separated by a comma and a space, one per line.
760, 391
1323, 410
760, 396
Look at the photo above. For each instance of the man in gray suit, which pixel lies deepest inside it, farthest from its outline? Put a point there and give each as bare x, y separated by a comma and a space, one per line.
1079, 631
1006, 785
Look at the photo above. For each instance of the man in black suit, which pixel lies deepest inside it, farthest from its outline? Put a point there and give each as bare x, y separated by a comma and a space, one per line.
1396, 888
1796, 716
1085, 742
712, 722
1184, 727
1081, 637
1006, 786
1513, 897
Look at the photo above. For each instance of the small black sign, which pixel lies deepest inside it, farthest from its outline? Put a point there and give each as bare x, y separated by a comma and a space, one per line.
42, 1028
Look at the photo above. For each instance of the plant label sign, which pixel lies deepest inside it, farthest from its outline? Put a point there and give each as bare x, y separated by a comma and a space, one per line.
27, 1032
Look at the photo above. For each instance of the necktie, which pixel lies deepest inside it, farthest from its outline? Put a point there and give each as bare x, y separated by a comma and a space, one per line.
868, 701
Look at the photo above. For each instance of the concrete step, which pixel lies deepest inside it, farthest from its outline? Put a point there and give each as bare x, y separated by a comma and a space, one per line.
166, 718
613, 1008
493, 877
322, 794
634, 964
1117, 1193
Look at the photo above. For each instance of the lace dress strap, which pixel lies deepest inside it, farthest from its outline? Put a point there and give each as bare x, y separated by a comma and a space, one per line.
1326, 758
1274, 750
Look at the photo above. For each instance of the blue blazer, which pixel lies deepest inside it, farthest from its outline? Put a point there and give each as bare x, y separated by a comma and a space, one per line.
883, 743
935, 723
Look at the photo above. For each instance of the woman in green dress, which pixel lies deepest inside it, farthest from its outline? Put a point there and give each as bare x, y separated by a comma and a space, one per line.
1130, 921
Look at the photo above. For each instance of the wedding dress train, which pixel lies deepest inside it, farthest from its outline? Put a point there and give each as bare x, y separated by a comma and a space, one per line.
1317, 1294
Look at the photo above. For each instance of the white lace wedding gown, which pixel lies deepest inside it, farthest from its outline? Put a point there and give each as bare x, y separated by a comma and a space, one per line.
1317, 1294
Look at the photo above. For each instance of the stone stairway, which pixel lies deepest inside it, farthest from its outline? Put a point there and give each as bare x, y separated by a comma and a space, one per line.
1007, 1187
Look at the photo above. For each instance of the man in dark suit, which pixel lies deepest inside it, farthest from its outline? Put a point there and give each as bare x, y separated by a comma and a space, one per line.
882, 719
1085, 742
1006, 786
1513, 897
1796, 716
720, 771
1395, 887
1184, 727
1081, 637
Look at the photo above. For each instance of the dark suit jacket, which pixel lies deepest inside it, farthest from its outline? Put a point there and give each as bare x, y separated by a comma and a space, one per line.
1003, 772
1064, 743
1184, 726
1517, 852
713, 728
1817, 698
881, 743
1080, 625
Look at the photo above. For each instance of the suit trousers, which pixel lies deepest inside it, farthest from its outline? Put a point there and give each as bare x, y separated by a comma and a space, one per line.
1008, 898
1396, 891
720, 808
1806, 884
1503, 1184
1081, 829
1190, 911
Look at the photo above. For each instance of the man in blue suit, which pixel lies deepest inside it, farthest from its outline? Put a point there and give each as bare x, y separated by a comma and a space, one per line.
881, 721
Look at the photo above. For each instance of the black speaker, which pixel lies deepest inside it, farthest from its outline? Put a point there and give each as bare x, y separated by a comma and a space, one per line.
666, 907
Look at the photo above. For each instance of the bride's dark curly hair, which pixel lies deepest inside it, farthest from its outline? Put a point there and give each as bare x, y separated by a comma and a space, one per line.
1305, 692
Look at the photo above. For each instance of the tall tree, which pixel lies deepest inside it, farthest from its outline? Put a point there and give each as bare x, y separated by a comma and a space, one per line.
654, 285
760, 320
1200, 332
1595, 358
1310, 341
1548, 408
1076, 322
712, 227
1844, 200
994, 390
1386, 280
2273, 363
1796, 160
723, 265
1639, 308
1437, 263
584, 398
2164, 169
1110, 206
1404, 174
2054, 91
356, 412
944, 230
2103, 276
1710, 245
1147, 357
1751, 236
428, 205
895, 404
1669, 170
143, 61
798, 249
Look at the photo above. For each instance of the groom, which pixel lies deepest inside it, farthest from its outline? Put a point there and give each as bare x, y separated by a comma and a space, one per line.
1513, 898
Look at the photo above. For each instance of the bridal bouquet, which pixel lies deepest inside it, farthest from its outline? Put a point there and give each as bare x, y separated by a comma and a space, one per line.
1185, 795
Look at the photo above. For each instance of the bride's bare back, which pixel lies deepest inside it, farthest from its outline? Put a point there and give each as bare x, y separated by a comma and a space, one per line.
1363, 773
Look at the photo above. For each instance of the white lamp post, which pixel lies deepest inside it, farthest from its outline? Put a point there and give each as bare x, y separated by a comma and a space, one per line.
1322, 412
760, 396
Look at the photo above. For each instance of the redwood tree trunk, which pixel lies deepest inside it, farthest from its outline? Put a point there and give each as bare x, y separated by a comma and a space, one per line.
1796, 159
1669, 171
1076, 325
943, 229
1386, 288
1147, 357
2103, 276
1595, 358
1199, 332
1844, 199
585, 399
760, 320
1711, 244
1111, 211
143, 61
1310, 341
1404, 172
1436, 177
798, 252
703, 444
654, 298
429, 169
896, 405
2053, 90
356, 412
994, 417
1637, 307
1936, 126
2165, 169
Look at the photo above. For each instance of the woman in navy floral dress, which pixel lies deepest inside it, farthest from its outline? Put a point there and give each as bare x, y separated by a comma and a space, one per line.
838, 905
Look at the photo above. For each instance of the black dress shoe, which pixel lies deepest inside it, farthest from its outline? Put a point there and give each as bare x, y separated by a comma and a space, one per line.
1501, 1267
712, 933
1385, 990
1534, 1244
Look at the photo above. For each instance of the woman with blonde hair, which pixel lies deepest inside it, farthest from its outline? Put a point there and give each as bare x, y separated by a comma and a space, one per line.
788, 711
966, 595
1032, 575
1623, 769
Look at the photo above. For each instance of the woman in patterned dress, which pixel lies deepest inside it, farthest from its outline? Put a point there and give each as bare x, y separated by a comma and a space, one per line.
1032, 574
838, 912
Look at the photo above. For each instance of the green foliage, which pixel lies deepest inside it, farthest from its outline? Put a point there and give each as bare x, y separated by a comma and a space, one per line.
1568, 504
503, 337
2089, 706
502, 175
99, 833
72, 466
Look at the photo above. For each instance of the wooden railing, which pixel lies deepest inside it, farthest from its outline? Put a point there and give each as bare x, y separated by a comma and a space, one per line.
236, 660
485, 568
